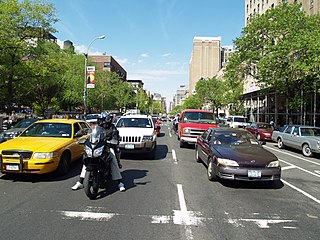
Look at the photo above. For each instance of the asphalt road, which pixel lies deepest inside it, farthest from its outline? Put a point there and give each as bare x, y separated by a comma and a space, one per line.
166, 198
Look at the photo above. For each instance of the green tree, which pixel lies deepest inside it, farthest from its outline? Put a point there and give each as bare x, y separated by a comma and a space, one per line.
281, 49
193, 102
143, 101
211, 91
23, 25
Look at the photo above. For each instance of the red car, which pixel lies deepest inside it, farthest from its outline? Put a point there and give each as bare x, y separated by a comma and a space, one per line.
157, 125
261, 130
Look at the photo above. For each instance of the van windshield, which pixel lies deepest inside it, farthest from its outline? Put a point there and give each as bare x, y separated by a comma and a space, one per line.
239, 119
199, 117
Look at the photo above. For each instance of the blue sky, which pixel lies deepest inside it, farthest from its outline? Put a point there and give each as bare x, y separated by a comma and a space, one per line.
151, 39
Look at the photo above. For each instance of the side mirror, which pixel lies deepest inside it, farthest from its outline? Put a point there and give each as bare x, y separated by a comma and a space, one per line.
78, 134
82, 141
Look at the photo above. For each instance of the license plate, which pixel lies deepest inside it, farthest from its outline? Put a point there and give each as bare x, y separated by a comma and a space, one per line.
129, 146
12, 167
254, 173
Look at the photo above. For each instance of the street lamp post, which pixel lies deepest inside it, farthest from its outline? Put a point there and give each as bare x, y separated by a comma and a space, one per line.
85, 76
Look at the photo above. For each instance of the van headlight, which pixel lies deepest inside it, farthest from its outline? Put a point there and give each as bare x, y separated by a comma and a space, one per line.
186, 130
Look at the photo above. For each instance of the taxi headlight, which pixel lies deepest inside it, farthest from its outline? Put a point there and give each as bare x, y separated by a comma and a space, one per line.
227, 162
43, 155
274, 164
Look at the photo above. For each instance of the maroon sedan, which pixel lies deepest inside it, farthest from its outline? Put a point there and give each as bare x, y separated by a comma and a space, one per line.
261, 130
235, 154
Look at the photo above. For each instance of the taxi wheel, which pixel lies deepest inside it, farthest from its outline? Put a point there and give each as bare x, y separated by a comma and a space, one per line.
64, 164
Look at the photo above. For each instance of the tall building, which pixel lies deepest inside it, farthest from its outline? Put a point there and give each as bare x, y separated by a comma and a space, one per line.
205, 59
261, 6
108, 63
180, 95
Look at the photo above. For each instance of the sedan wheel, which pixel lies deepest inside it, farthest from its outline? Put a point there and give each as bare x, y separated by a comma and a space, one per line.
210, 172
306, 150
197, 156
258, 137
280, 143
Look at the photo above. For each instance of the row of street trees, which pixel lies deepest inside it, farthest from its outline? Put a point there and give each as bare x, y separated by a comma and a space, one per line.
280, 50
35, 72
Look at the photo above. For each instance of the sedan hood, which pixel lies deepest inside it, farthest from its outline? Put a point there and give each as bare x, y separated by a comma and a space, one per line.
247, 155
35, 144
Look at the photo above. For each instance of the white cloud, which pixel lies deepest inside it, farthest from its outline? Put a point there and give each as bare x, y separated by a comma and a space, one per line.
166, 55
121, 61
60, 43
144, 55
84, 49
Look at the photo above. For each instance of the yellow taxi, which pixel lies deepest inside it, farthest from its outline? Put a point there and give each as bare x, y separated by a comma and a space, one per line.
45, 146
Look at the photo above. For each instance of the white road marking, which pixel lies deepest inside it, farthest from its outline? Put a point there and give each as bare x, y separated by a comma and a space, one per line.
174, 156
317, 171
182, 216
301, 191
300, 168
170, 135
262, 223
87, 216
301, 158
287, 167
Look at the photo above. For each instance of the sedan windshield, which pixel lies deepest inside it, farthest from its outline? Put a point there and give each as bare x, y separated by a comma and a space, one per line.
265, 126
47, 129
232, 138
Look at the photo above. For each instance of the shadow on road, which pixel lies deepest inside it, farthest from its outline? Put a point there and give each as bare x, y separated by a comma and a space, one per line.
74, 170
129, 179
161, 154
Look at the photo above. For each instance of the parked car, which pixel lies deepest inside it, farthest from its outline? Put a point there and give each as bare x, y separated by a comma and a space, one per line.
138, 134
304, 138
192, 123
237, 122
261, 130
236, 154
45, 146
17, 129
92, 118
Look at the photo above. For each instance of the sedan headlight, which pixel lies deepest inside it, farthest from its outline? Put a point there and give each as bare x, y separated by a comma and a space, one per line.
43, 155
227, 162
274, 164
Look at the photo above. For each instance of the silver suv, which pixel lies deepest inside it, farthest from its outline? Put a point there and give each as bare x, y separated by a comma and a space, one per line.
137, 134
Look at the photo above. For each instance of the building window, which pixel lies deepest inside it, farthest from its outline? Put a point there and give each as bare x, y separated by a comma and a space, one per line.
311, 4
106, 64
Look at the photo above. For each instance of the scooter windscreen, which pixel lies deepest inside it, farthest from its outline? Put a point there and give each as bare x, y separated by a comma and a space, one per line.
98, 134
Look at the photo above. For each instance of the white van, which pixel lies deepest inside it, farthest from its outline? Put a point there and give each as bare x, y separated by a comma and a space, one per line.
237, 122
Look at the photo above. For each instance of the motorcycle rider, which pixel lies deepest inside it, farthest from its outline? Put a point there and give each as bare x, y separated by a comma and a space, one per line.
111, 134
175, 122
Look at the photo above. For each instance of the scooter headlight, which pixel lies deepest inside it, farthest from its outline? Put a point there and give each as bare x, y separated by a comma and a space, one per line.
98, 152
88, 151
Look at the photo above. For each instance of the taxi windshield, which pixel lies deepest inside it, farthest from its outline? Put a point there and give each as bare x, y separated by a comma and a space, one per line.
48, 129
